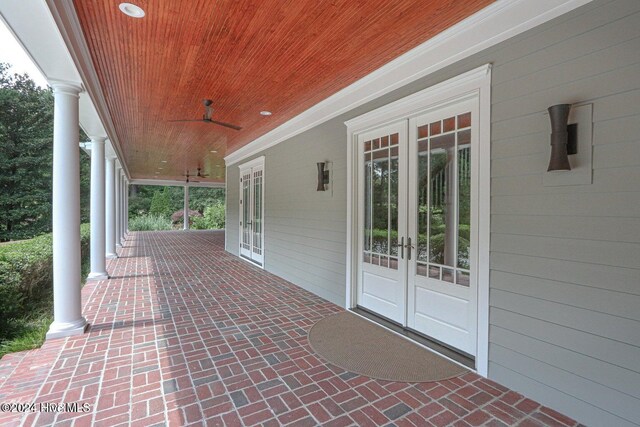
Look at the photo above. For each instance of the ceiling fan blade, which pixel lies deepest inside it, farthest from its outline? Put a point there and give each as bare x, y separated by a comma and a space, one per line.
229, 125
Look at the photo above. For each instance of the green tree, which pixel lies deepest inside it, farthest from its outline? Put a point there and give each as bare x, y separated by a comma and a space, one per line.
26, 153
161, 203
201, 197
26, 158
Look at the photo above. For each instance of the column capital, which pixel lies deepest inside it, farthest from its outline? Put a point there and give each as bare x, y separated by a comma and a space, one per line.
98, 139
66, 87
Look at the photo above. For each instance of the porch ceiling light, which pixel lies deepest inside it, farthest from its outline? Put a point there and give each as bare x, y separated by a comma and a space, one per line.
563, 138
131, 10
214, 151
265, 113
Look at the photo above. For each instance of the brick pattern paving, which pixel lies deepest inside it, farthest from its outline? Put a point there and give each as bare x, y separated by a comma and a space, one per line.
186, 334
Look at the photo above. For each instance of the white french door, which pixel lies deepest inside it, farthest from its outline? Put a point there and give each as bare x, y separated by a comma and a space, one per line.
418, 223
382, 194
442, 278
252, 211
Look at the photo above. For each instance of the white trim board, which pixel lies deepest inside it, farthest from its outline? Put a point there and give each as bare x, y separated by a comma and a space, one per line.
169, 182
495, 23
474, 83
257, 163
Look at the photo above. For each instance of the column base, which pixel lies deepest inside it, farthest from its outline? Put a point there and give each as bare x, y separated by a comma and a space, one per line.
118, 246
67, 329
111, 256
98, 276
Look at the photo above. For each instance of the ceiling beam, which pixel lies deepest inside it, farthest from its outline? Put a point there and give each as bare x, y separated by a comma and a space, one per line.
176, 183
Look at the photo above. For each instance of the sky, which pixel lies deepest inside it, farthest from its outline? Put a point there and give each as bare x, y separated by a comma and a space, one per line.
12, 52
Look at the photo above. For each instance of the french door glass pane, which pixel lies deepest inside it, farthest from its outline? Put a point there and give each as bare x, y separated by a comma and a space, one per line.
422, 247
464, 198
441, 233
257, 212
367, 200
444, 199
381, 201
246, 209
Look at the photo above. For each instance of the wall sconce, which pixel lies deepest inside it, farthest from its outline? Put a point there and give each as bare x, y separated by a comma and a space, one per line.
564, 140
323, 176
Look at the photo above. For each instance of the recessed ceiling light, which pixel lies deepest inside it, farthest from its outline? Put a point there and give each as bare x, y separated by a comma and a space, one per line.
163, 161
160, 168
214, 151
265, 113
131, 10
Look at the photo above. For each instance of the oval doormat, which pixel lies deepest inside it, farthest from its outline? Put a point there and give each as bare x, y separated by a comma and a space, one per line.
362, 347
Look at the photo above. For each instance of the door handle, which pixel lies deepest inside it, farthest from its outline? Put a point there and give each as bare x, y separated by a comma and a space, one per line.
401, 246
409, 247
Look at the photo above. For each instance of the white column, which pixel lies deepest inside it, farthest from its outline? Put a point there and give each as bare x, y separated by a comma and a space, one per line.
118, 188
185, 215
98, 265
67, 301
122, 204
110, 201
126, 207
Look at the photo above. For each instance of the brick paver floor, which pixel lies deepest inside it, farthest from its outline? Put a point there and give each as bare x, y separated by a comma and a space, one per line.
186, 334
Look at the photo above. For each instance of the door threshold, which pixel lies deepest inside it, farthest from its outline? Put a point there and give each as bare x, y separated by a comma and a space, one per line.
250, 261
435, 345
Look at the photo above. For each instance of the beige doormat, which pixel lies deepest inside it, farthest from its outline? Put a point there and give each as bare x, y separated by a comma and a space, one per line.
360, 346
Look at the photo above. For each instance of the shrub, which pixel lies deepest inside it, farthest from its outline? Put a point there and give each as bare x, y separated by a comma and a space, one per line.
213, 218
26, 273
149, 223
177, 217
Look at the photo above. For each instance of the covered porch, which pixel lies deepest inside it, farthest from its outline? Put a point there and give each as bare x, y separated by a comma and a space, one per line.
184, 333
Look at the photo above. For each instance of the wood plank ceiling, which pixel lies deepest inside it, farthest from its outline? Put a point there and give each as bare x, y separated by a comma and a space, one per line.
282, 56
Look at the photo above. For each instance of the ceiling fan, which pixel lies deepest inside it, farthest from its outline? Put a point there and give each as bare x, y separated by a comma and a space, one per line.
199, 174
206, 117
188, 180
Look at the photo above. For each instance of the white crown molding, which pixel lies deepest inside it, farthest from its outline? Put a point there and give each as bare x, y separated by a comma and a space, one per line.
170, 182
66, 19
498, 22
435, 97
258, 161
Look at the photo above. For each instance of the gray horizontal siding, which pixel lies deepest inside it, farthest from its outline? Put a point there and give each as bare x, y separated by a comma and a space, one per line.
565, 261
305, 230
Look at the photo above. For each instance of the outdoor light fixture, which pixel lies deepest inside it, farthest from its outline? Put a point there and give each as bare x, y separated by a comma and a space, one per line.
564, 139
323, 176
131, 10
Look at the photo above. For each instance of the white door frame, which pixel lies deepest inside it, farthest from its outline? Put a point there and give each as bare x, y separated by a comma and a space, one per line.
257, 163
474, 83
